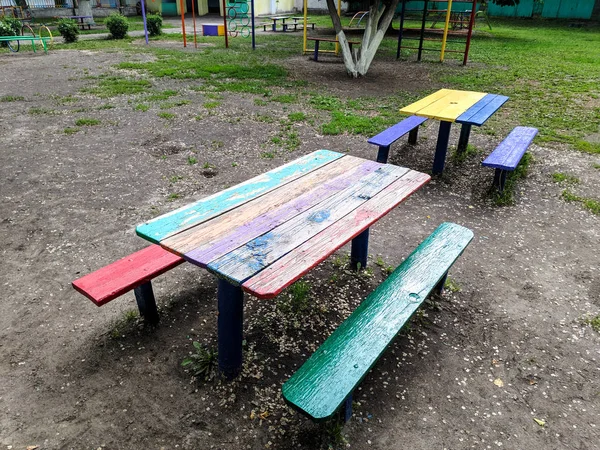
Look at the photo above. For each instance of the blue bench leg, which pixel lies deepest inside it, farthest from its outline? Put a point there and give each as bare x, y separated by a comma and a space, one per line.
347, 408
230, 328
439, 288
413, 135
500, 179
359, 250
316, 57
144, 296
463, 140
441, 148
383, 153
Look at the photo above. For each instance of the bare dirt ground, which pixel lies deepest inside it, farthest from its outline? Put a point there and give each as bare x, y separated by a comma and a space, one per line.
503, 361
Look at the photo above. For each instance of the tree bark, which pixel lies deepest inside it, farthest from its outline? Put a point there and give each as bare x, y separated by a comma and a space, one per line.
380, 17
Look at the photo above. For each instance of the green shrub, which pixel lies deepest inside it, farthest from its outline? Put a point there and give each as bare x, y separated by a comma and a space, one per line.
154, 23
117, 25
69, 30
9, 26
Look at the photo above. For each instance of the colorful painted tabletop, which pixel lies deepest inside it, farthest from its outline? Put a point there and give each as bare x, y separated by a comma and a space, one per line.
451, 105
267, 232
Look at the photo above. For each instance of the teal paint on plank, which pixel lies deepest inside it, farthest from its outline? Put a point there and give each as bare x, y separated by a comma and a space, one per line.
244, 262
320, 386
550, 9
575, 9
169, 224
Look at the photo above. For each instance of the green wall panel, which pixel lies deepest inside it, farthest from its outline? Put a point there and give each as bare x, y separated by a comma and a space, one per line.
524, 9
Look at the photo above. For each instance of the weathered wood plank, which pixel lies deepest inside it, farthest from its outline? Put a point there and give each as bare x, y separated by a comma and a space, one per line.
286, 270
322, 384
246, 261
214, 249
452, 105
481, 111
183, 218
510, 151
395, 132
114, 280
211, 232
417, 106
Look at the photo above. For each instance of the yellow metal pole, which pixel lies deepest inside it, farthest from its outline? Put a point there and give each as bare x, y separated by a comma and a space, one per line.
304, 34
446, 30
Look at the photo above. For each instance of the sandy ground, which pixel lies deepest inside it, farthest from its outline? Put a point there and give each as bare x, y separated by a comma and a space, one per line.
505, 361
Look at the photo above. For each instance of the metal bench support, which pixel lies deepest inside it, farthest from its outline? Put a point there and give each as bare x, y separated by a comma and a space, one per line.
230, 328
144, 296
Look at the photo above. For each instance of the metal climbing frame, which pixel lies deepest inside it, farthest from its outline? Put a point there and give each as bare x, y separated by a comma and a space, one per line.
461, 22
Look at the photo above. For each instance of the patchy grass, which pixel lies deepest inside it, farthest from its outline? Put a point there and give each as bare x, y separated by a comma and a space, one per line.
461, 157
590, 204
297, 117
166, 115
71, 130
86, 122
142, 107
115, 86
11, 98
594, 322
560, 177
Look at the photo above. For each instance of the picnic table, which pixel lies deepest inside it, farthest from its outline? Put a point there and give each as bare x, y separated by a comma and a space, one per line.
262, 235
82, 21
448, 105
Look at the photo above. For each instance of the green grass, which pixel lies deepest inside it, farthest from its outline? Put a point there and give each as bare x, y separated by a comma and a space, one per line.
160, 96
594, 322
590, 204
114, 86
142, 107
560, 177
71, 130
86, 122
166, 115
297, 117
11, 98
556, 93
192, 160
212, 105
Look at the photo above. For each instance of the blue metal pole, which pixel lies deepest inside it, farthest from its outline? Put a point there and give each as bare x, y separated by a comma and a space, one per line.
359, 250
442, 147
230, 328
144, 19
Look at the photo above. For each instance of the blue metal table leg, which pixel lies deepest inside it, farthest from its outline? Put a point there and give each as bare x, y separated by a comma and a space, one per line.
230, 328
359, 250
441, 148
463, 140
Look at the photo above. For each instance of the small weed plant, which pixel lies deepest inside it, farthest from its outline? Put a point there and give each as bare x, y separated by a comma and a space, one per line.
594, 322
560, 177
588, 203
117, 25
203, 363
69, 30
87, 122
11, 98
192, 160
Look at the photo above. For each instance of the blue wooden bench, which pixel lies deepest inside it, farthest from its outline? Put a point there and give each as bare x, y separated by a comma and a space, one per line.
508, 154
328, 378
477, 114
387, 137
132, 272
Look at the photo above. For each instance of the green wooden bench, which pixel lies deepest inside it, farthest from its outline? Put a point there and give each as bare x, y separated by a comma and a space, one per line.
328, 378
32, 39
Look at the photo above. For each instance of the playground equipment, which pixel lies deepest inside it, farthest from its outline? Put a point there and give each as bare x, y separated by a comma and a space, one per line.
461, 20
305, 27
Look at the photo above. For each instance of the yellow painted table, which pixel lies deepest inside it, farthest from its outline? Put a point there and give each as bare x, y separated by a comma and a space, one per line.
448, 105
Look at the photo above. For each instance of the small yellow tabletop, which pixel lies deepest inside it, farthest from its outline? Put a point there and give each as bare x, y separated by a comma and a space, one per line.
445, 104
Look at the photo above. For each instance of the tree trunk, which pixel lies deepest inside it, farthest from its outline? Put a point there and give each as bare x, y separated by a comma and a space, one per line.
358, 61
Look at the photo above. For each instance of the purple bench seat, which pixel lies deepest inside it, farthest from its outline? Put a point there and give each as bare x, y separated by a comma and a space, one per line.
387, 137
508, 154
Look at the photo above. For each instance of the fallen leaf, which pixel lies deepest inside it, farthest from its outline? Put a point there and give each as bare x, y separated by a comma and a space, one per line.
498, 382
540, 422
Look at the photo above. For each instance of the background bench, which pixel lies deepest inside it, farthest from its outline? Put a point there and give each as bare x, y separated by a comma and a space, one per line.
387, 137
328, 378
317, 40
132, 272
508, 154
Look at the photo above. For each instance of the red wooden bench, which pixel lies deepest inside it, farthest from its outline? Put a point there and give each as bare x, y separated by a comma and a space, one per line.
132, 272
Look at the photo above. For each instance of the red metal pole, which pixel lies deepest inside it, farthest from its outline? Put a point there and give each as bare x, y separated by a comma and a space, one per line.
471, 25
183, 23
225, 24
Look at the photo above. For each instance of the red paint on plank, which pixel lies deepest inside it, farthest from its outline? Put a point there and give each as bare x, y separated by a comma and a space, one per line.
114, 280
283, 272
